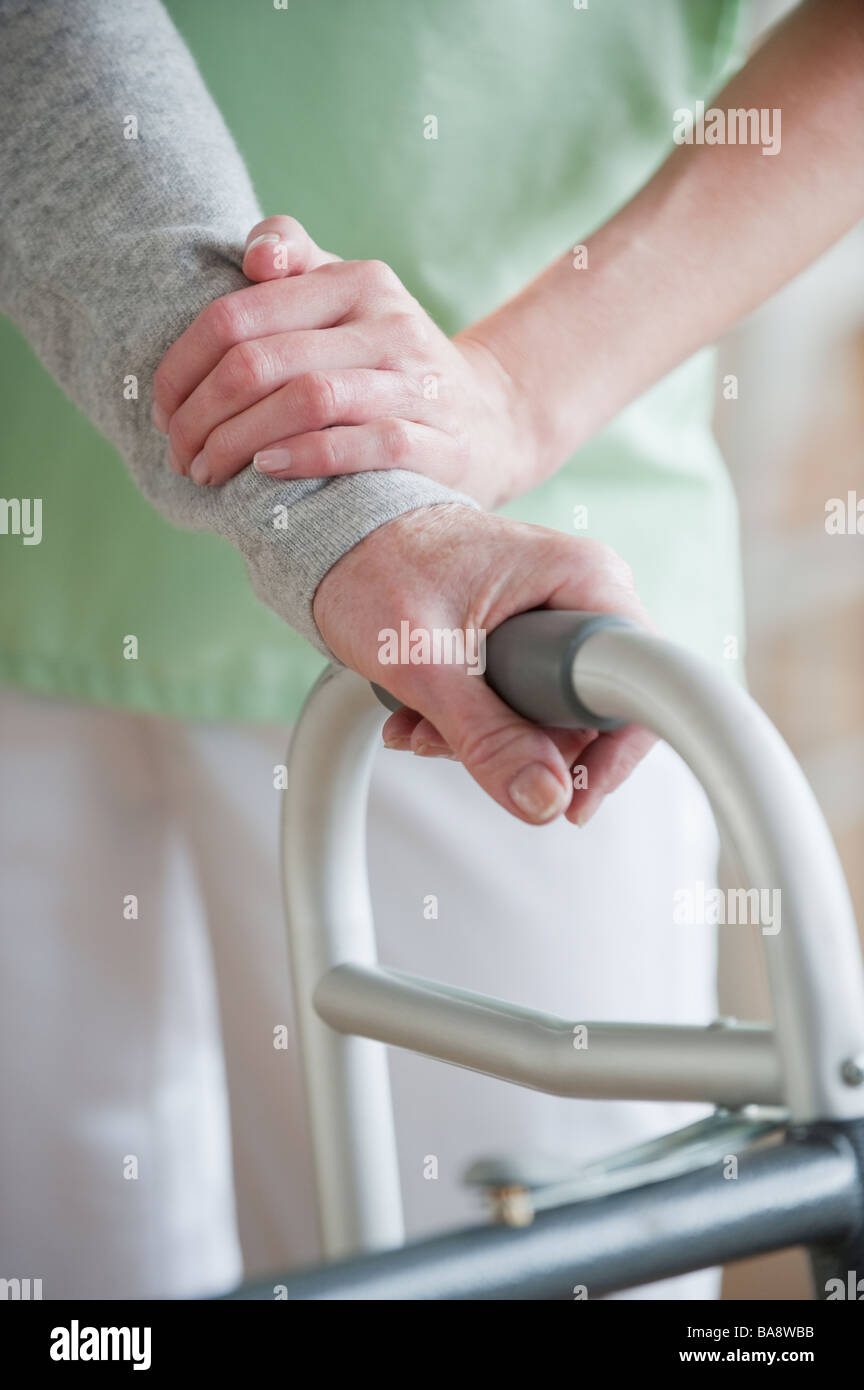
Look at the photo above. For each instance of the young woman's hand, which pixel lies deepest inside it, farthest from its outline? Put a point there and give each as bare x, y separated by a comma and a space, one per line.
327, 367
452, 567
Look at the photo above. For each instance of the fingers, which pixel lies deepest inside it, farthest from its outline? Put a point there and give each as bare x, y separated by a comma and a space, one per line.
399, 727
515, 762
604, 766
279, 247
252, 370
595, 764
424, 741
409, 732
320, 299
383, 443
308, 406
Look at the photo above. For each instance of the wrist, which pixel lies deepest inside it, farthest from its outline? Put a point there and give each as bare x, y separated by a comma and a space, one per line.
508, 463
546, 400
373, 582
578, 342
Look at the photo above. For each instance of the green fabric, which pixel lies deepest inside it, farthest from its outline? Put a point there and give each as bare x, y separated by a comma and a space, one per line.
549, 118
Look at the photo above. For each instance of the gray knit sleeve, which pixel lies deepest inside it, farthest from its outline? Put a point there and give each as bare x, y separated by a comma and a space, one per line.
125, 205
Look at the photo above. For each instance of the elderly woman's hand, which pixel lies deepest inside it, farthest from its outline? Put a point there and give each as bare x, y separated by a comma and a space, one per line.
450, 567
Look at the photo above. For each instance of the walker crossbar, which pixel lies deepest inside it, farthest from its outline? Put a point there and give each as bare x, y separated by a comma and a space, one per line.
559, 668
730, 1064
808, 1190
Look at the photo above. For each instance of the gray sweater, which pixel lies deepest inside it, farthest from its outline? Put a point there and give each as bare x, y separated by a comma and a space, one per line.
110, 247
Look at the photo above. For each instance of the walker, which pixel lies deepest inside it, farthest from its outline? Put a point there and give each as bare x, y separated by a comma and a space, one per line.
789, 1099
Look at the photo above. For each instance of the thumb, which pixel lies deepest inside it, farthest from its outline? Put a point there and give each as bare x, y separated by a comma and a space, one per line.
514, 761
279, 247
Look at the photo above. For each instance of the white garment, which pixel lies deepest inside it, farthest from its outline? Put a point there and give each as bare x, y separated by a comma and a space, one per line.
122, 1040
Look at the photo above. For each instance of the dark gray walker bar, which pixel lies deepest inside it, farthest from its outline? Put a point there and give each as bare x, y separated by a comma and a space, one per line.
808, 1190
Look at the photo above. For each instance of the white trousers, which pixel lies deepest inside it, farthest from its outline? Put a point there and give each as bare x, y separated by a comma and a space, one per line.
153, 1141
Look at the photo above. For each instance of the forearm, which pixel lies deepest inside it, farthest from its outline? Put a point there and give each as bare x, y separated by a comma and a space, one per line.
717, 230
111, 246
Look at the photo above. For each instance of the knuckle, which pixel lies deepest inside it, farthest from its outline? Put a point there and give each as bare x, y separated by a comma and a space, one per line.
181, 436
165, 390
325, 452
219, 449
216, 450
244, 368
224, 448
289, 227
378, 275
336, 270
395, 352
611, 567
405, 335
318, 399
225, 320
482, 751
397, 440
619, 572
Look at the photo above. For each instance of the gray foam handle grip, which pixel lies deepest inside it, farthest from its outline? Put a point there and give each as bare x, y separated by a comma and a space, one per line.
529, 664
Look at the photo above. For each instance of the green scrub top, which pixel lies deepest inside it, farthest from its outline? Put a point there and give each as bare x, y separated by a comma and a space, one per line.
549, 117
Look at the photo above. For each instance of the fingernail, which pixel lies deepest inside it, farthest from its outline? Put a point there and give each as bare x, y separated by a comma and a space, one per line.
265, 239
433, 750
199, 470
159, 418
403, 744
272, 461
537, 793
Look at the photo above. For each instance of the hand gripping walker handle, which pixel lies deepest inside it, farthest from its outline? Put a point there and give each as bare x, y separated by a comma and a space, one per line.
530, 663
